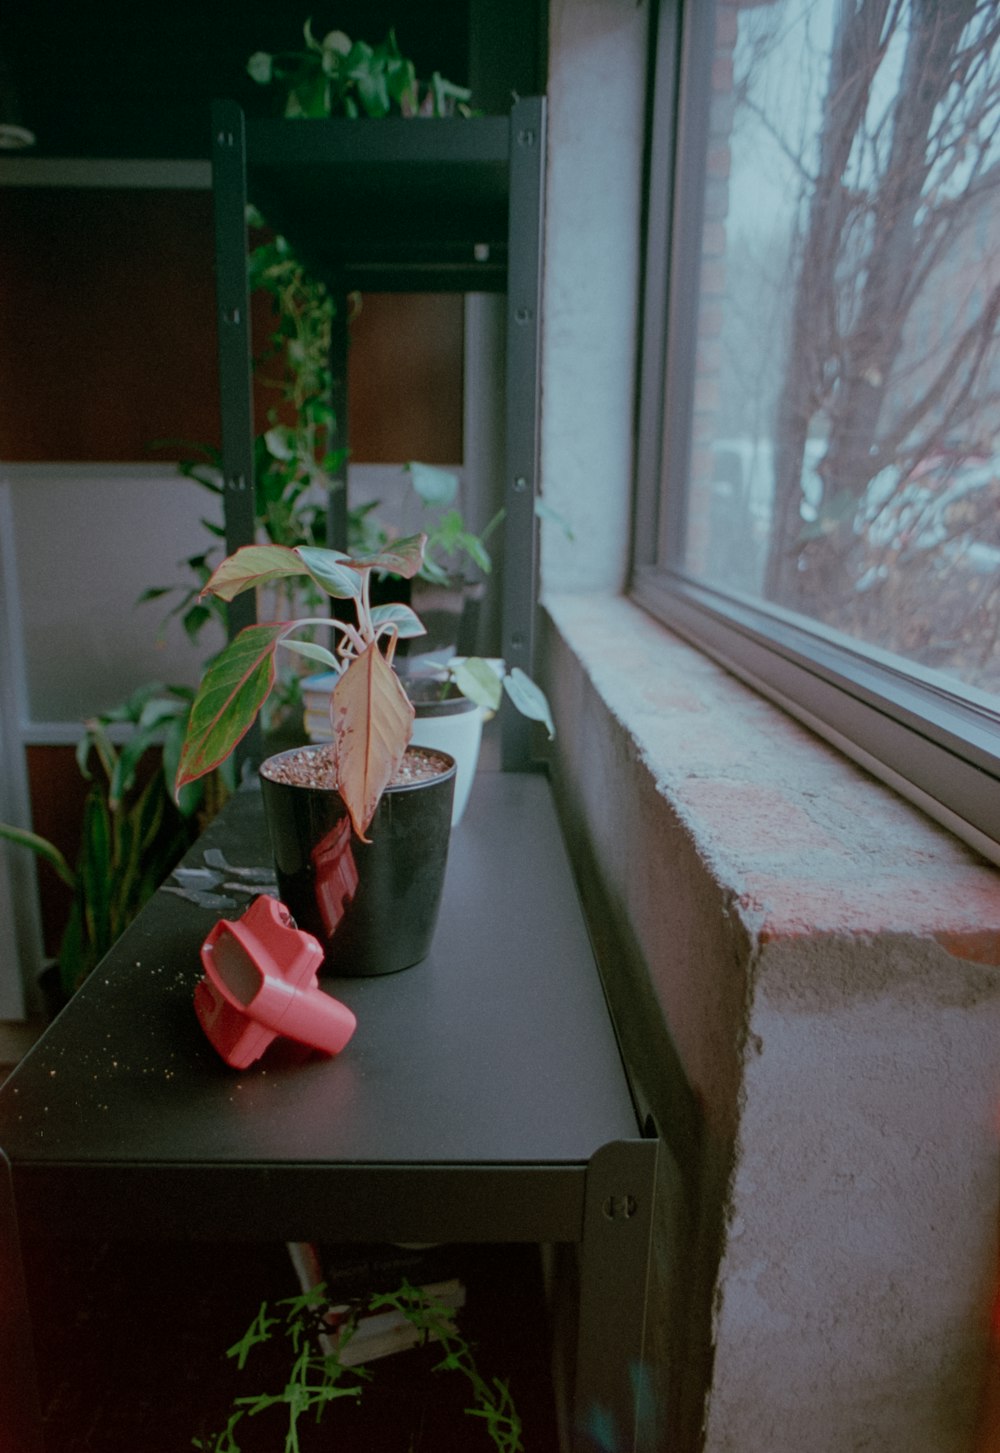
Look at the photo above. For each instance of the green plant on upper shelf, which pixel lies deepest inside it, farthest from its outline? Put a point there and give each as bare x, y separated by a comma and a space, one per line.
132, 833
370, 714
318, 1377
335, 76
451, 545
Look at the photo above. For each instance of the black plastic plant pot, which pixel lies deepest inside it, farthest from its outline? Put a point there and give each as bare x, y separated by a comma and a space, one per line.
373, 906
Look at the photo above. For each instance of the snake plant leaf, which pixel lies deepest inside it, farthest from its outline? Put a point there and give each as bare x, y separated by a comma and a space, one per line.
529, 699
331, 570
372, 723
47, 851
408, 624
251, 566
232, 692
403, 557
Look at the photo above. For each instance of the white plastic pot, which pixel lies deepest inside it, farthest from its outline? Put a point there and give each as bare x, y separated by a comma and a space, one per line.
454, 725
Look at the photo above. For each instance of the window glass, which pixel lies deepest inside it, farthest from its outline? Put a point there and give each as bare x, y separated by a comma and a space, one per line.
845, 412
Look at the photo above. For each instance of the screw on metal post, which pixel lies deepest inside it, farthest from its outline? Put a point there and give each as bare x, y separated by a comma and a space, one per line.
620, 1208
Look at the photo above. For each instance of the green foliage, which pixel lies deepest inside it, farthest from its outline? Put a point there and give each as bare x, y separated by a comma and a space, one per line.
317, 1376
132, 833
372, 720
448, 539
335, 76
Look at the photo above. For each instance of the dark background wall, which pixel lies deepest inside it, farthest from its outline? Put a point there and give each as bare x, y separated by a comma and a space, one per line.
122, 78
107, 308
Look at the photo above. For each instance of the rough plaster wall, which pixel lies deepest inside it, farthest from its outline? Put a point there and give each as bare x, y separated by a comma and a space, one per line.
856, 1278
675, 962
804, 971
593, 209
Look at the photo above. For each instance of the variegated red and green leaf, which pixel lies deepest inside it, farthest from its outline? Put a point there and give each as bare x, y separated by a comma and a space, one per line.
251, 566
232, 692
408, 624
403, 557
332, 571
372, 721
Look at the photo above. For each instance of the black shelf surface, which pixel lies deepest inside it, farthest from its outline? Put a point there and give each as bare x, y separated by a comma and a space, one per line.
478, 1085
388, 205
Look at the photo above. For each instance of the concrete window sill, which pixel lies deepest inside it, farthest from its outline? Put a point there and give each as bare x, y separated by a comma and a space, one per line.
806, 842
804, 973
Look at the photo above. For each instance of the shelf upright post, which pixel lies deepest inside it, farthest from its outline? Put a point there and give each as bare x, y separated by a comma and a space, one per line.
524, 294
229, 194
23, 1426
339, 443
611, 1392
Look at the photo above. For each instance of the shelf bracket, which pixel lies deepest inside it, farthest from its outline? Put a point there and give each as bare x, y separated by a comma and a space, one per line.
614, 1264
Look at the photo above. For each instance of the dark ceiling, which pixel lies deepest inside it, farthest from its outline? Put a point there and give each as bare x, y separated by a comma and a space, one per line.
119, 78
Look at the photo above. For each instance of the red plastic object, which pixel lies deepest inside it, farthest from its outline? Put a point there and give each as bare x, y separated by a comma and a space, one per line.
260, 981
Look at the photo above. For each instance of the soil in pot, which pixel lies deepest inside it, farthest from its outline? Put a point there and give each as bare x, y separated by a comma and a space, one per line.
373, 906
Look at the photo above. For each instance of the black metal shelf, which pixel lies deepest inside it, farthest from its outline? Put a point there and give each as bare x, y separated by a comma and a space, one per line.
392, 205
483, 1097
396, 204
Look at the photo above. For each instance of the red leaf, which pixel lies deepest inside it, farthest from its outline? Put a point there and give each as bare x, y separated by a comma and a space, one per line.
372, 724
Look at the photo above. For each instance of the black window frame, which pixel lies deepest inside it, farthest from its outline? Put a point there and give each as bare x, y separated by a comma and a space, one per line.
938, 746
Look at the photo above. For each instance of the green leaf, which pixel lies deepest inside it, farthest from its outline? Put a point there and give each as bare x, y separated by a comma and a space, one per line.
403, 557
96, 872
43, 849
313, 651
260, 68
401, 77
546, 512
408, 624
432, 571
332, 570
477, 551
195, 620
374, 93
278, 442
476, 679
251, 566
233, 690
434, 486
529, 699
336, 46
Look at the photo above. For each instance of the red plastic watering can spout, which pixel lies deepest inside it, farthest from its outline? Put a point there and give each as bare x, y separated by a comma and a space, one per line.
261, 981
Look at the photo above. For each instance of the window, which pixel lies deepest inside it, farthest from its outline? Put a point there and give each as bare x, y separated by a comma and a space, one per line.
819, 429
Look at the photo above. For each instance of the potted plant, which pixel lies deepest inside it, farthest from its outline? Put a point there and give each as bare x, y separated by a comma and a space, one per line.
131, 833
359, 827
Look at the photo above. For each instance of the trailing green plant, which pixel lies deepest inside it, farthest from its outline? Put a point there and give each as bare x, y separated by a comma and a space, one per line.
335, 76
132, 832
318, 1377
294, 456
